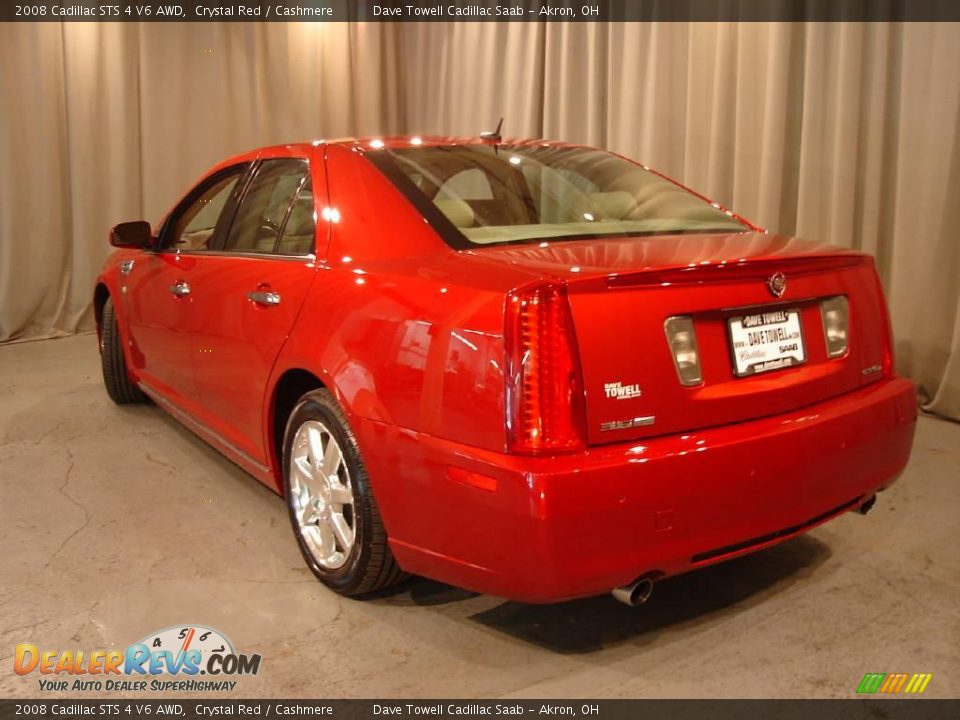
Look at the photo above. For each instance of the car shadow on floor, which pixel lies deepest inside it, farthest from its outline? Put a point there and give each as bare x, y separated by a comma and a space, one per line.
592, 624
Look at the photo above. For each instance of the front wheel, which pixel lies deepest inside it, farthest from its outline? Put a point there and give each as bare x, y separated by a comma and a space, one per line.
334, 515
121, 389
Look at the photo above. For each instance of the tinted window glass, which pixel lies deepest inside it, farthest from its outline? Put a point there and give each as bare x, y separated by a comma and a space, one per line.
195, 225
470, 184
263, 209
523, 193
301, 225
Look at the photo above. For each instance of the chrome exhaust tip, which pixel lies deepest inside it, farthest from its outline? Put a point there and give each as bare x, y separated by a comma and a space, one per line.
636, 593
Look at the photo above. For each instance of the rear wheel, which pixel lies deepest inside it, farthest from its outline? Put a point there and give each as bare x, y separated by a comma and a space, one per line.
334, 515
121, 389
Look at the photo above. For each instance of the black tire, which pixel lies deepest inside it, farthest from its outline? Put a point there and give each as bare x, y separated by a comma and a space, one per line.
370, 565
115, 377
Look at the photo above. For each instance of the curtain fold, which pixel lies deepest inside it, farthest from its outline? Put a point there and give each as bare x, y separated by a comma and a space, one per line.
461, 78
844, 132
35, 266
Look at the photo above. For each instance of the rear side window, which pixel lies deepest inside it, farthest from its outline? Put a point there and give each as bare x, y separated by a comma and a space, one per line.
301, 225
276, 195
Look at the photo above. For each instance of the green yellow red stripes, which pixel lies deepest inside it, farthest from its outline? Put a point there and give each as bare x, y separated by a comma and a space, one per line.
894, 683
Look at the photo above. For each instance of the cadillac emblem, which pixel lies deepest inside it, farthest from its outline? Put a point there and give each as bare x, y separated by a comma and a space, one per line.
777, 284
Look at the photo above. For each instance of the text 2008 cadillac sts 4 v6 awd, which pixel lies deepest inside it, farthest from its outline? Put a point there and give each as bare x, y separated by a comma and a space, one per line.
532, 369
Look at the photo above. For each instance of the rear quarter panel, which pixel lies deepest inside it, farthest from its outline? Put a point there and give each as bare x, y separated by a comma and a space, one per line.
404, 330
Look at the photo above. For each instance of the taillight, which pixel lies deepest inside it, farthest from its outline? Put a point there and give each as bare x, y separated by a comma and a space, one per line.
683, 342
835, 314
545, 403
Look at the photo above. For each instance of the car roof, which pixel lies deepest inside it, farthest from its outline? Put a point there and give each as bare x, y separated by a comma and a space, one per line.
403, 141
376, 142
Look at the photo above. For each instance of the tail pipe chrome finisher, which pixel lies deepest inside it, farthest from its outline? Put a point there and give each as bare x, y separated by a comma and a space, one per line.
636, 593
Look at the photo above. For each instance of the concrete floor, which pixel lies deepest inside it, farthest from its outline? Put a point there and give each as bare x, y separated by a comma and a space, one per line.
116, 522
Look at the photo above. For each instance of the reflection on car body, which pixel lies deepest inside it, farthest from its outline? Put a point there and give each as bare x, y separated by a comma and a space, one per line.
510, 366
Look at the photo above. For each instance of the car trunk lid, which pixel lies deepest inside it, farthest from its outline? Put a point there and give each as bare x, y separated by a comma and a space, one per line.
622, 291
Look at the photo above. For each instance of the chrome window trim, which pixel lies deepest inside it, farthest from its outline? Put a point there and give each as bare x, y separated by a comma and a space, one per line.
310, 258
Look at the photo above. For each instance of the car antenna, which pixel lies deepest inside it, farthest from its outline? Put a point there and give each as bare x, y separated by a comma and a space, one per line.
493, 134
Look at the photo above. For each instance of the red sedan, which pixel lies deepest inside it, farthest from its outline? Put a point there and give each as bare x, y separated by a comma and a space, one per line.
532, 369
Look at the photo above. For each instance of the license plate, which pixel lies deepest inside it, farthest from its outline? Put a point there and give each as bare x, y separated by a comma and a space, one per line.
766, 341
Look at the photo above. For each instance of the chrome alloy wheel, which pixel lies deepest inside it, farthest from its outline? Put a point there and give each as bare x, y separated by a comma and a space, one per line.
321, 495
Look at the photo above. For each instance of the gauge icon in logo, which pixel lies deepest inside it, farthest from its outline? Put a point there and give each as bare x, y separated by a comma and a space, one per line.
181, 639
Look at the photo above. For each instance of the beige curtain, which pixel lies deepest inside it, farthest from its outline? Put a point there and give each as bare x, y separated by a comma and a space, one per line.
847, 132
106, 122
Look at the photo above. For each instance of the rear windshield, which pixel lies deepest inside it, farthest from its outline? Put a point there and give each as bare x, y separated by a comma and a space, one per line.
493, 194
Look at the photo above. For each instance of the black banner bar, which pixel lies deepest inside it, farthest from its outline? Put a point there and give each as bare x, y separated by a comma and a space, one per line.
479, 10
887, 708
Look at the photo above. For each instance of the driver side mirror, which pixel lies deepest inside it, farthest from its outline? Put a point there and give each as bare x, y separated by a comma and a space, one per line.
134, 234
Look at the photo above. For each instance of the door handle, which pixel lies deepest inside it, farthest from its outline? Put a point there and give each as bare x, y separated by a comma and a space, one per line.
264, 297
180, 288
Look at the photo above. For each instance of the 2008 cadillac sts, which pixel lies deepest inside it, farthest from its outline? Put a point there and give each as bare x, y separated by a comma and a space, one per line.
532, 369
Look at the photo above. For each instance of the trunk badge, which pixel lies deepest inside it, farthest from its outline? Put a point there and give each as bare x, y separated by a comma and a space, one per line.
777, 284
628, 424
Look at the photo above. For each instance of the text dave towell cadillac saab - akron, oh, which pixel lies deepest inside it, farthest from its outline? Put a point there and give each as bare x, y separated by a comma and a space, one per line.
531, 369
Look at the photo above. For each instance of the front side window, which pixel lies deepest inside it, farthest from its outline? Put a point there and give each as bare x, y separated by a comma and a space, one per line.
489, 194
193, 226
273, 193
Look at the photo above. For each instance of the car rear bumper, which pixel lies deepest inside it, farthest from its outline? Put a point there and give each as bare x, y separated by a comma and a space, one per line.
549, 529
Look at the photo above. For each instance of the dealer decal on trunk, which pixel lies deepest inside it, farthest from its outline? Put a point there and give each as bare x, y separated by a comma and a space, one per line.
619, 391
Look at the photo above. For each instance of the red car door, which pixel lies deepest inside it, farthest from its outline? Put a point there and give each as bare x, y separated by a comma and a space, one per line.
157, 295
247, 295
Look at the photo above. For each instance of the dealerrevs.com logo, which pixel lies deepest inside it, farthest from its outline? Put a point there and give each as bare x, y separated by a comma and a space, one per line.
184, 652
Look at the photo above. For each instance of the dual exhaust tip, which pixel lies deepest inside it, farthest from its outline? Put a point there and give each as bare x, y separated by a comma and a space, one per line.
636, 593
